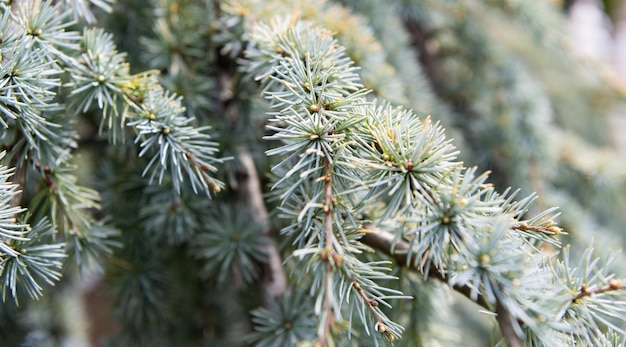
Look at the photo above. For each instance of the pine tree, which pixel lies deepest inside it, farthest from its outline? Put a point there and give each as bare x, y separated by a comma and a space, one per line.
296, 173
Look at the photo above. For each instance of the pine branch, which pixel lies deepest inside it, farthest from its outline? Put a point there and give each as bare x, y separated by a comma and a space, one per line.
315, 102
407, 163
162, 131
399, 250
37, 261
590, 297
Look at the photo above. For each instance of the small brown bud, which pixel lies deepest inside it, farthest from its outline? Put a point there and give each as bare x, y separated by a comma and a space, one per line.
337, 259
326, 209
445, 220
555, 230
615, 284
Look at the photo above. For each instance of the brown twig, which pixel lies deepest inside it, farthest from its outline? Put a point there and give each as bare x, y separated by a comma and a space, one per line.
213, 183
371, 303
329, 252
505, 322
397, 249
613, 285
542, 229
274, 282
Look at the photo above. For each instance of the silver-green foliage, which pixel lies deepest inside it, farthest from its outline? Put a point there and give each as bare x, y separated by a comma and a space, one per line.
51, 75
344, 154
372, 198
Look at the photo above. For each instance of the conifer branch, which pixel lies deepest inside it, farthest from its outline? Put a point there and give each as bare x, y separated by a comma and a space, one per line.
274, 281
504, 319
549, 230
613, 285
356, 166
398, 250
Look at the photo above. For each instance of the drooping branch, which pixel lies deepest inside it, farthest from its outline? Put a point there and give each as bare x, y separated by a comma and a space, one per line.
274, 282
506, 326
397, 249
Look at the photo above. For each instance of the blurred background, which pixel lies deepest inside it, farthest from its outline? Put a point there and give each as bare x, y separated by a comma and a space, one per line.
599, 28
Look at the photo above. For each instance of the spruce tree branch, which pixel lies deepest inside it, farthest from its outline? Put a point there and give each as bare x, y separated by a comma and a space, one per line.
397, 249
274, 282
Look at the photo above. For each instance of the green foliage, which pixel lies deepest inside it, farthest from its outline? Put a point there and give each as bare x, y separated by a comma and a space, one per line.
286, 325
231, 248
363, 216
39, 262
